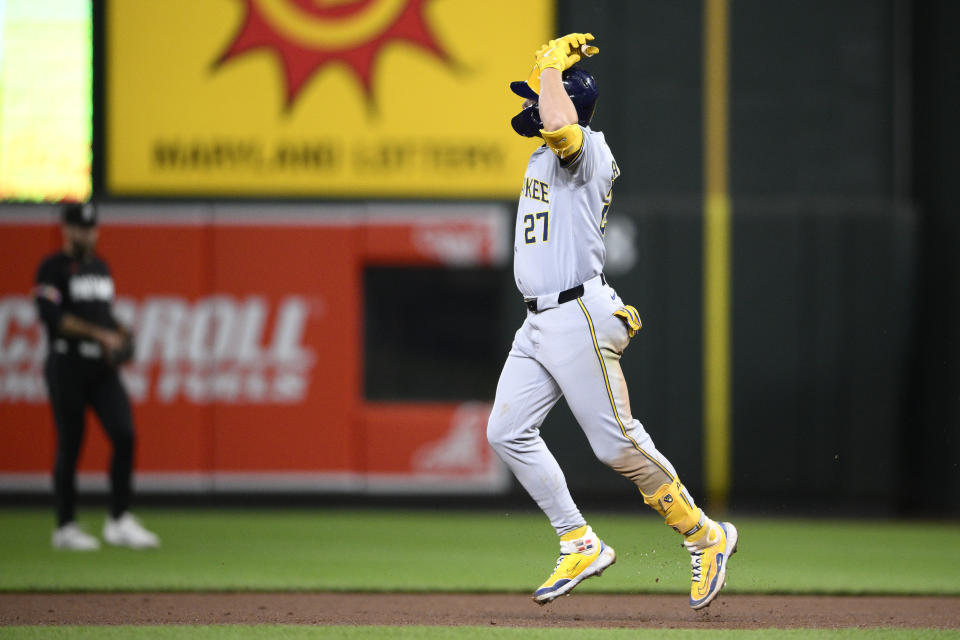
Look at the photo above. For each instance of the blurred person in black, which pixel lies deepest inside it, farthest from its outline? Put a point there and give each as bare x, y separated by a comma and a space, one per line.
86, 344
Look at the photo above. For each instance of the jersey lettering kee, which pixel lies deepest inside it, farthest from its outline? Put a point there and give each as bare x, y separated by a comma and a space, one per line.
561, 218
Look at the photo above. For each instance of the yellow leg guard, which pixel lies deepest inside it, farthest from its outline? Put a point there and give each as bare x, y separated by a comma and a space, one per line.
671, 502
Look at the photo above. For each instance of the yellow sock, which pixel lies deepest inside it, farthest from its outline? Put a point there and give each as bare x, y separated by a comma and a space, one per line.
576, 533
707, 536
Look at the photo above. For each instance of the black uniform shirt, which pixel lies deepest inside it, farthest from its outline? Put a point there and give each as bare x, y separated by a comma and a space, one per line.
82, 288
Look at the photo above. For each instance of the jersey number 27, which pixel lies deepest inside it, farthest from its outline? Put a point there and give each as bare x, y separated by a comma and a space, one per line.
530, 227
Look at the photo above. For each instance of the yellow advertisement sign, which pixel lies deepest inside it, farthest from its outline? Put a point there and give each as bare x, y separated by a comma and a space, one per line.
342, 98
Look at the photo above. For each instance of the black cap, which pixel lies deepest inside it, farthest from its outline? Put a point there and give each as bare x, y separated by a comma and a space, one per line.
80, 214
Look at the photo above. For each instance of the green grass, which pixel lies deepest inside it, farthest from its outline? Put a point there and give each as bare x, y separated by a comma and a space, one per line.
460, 633
364, 550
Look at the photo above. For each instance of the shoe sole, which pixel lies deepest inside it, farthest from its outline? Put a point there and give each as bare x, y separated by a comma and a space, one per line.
733, 540
605, 558
66, 546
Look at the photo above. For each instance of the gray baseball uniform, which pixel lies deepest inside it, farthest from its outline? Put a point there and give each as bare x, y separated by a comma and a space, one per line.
570, 343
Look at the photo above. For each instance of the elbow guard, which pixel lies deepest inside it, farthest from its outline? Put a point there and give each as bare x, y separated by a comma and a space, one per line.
566, 141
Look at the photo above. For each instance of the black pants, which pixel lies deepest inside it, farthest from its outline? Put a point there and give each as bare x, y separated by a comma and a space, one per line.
74, 383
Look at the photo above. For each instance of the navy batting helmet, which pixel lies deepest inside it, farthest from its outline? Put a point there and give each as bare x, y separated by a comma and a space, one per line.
579, 85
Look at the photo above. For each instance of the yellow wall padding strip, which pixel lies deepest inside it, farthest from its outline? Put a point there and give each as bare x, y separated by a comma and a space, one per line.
716, 257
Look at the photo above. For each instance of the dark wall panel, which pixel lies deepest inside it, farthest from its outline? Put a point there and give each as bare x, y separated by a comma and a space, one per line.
822, 314
931, 437
811, 97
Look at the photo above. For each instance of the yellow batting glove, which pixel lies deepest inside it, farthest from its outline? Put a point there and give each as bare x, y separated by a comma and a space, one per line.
561, 54
552, 55
575, 45
573, 41
630, 318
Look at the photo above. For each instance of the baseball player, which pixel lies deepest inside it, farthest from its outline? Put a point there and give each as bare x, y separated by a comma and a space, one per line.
576, 330
74, 294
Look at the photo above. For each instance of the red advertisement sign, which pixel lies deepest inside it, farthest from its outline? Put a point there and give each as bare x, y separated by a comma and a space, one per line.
249, 351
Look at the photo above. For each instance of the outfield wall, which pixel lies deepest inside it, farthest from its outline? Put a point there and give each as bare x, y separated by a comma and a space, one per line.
355, 348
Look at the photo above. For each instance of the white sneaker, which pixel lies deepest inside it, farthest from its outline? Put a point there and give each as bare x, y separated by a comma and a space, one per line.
126, 531
71, 537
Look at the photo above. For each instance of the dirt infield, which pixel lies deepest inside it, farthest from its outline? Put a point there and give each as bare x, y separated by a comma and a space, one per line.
583, 610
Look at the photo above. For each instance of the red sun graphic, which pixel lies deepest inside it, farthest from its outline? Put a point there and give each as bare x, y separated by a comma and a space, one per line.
308, 34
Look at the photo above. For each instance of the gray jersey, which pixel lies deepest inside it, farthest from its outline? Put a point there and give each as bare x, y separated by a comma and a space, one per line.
561, 218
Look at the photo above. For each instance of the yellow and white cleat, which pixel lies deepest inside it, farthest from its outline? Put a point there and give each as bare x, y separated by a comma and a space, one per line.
709, 557
582, 555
